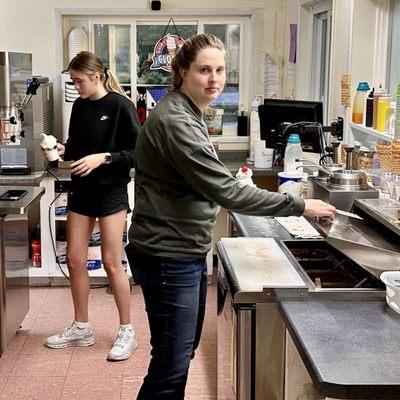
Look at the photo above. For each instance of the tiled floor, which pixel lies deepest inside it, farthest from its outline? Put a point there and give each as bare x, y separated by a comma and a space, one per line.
28, 370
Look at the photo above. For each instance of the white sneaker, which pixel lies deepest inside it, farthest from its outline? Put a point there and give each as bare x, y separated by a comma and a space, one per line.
71, 336
123, 346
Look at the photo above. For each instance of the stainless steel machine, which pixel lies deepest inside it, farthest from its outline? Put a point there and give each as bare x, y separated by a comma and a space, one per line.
19, 142
341, 187
256, 273
14, 248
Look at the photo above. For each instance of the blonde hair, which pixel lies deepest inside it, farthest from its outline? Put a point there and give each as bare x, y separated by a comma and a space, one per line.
188, 52
88, 63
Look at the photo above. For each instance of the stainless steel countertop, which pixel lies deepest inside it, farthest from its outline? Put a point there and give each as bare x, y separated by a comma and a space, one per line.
22, 205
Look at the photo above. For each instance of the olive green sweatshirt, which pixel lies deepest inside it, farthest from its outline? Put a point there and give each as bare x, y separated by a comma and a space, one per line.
180, 182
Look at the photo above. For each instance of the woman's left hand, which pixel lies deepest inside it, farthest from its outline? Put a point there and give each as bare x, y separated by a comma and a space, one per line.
86, 165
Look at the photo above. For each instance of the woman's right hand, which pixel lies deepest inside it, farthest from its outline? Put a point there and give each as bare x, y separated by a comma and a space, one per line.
318, 208
60, 149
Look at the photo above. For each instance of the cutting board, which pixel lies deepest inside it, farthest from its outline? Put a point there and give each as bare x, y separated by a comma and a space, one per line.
260, 263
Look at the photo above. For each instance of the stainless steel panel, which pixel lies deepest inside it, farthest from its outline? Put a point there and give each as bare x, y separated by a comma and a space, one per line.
14, 275
340, 198
270, 353
244, 354
227, 350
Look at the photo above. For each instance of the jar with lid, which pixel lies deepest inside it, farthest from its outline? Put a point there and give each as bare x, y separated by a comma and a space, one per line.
359, 102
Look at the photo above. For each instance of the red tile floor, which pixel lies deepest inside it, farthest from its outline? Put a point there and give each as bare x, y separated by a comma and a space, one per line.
28, 370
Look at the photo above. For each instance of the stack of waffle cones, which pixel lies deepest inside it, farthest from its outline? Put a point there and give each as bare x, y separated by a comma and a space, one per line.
389, 156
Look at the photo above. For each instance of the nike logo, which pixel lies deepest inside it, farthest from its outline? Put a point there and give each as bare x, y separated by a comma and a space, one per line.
104, 117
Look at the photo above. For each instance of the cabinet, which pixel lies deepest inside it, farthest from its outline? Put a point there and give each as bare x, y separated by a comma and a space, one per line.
50, 226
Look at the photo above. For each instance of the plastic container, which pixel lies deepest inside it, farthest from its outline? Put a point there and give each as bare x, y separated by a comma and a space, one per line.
290, 183
369, 109
254, 125
36, 253
377, 93
383, 106
293, 152
93, 256
392, 281
376, 171
263, 157
390, 118
359, 102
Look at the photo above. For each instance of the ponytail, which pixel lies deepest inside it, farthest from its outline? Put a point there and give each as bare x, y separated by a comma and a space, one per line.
88, 63
111, 83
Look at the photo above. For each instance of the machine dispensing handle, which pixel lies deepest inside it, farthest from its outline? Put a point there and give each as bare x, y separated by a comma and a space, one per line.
349, 157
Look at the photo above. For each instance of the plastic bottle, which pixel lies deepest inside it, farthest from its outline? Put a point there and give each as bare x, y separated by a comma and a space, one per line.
36, 253
254, 126
359, 102
390, 118
377, 93
369, 109
383, 105
376, 170
293, 152
397, 124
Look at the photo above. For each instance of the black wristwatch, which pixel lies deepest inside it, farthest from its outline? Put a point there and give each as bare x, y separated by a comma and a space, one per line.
108, 158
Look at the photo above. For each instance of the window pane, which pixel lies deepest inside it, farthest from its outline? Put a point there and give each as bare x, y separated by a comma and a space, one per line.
147, 37
394, 60
112, 45
229, 99
122, 54
101, 43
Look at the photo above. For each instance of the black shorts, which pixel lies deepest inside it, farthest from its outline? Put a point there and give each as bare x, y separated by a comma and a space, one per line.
98, 201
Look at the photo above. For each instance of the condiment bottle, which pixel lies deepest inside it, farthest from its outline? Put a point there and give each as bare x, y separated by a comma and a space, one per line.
377, 93
359, 102
383, 105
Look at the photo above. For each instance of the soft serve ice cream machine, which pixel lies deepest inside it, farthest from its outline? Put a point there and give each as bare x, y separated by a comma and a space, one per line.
19, 148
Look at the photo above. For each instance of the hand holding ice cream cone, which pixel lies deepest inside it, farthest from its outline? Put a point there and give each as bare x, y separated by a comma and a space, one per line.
50, 147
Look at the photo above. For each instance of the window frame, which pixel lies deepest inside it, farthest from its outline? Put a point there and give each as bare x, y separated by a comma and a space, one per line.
320, 12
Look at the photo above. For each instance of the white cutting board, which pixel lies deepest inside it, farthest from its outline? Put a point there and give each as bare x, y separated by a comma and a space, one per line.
259, 263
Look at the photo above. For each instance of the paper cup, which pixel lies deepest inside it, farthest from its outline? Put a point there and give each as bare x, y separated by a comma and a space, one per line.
52, 154
263, 156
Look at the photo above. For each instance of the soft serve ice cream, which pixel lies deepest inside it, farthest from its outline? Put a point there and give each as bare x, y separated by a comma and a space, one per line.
244, 176
49, 145
171, 46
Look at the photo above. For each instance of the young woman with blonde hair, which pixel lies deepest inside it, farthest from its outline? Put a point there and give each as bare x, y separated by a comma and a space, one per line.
102, 136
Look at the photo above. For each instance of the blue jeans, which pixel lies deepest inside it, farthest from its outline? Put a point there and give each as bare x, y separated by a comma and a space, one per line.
174, 291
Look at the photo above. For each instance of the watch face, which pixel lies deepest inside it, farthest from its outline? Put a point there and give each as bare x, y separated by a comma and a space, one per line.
108, 158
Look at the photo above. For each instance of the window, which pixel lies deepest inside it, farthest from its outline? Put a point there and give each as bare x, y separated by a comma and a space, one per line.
394, 50
229, 34
321, 50
126, 45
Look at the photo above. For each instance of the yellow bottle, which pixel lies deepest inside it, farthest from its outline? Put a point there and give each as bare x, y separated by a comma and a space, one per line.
383, 105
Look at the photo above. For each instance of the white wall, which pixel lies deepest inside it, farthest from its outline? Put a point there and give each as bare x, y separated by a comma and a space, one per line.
32, 26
